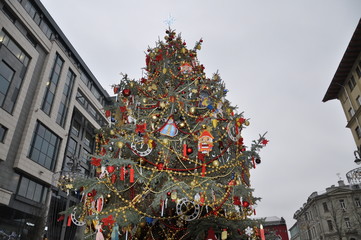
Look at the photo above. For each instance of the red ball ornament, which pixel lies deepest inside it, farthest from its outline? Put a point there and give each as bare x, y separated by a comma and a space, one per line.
89, 194
189, 150
110, 169
245, 204
160, 166
169, 193
126, 92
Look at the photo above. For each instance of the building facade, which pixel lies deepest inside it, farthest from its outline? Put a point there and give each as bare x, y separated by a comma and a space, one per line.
346, 85
50, 105
331, 215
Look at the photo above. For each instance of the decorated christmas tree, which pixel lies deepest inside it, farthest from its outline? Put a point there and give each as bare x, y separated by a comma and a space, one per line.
172, 163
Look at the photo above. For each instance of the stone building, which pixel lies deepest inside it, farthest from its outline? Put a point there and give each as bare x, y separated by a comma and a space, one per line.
50, 105
334, 214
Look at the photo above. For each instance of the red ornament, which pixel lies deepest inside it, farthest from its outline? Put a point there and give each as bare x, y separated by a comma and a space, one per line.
160, 166
126, 92
110, 169
265, 141
89, 194
236, 200
189, 150
245, 204
113, 178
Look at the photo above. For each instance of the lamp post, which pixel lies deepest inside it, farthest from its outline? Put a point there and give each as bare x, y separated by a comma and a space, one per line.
68, 176
357, 154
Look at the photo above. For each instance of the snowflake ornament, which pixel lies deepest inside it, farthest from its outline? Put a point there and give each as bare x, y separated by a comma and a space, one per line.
249, 231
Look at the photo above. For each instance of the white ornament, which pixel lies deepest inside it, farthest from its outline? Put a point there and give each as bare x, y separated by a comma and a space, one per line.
249, 231
188, 214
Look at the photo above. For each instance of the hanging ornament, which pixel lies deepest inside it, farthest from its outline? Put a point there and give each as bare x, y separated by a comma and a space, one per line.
99, 235
187, 209
169, 128
224, 234
76, 217
115, 232
234, 132
126, 92
141, 149
205, 142
186, 68
211, 235
245, 204
249, 231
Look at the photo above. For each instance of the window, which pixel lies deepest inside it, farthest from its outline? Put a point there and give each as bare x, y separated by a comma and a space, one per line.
52, 85
325, 207
347, 222
351, 83
65, 100
351, 112
96, 115
75, 128
358, 99
313, 233
32, 190
44, 147
357, 202
358, 70
14, 48
35, 15
88, 140
330, 225
6, 76
3, 131
358, 132
342, 204
307, 216
72, 144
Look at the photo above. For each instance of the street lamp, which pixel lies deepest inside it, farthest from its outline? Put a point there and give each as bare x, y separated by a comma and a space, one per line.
64, 178
357, 154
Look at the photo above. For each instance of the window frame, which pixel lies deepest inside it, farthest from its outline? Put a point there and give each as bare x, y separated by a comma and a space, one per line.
40, 143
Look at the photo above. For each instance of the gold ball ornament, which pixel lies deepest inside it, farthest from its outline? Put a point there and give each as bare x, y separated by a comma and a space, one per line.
246, 122
192, 110
112, 132
215, 163
162, 104
120, 144
145, 100
194, 183
142, 224
182, 125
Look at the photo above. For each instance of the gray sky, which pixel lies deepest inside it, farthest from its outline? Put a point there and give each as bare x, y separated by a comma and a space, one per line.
277, 58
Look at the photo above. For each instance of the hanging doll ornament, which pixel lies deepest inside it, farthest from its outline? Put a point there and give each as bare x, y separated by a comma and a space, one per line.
99, 235
169, 128
205, 142
115, 232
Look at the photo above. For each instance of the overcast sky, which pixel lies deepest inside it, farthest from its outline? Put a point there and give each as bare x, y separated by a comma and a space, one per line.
277, 58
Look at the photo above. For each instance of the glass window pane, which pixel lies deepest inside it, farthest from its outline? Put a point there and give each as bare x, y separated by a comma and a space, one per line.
35, 155
31, 189
37, 192
23, 186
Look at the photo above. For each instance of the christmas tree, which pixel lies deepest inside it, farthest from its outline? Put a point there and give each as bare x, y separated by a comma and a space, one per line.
172, 163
